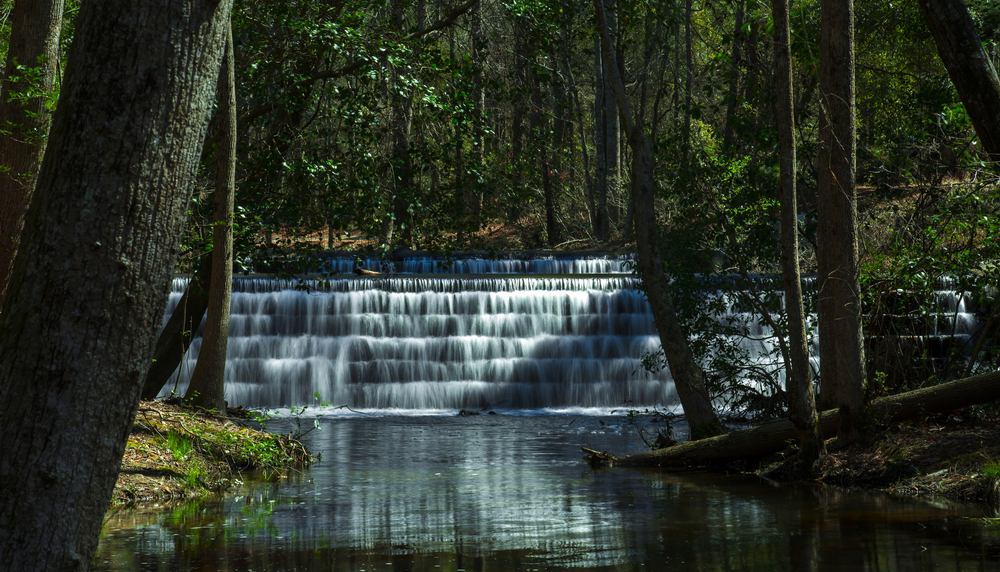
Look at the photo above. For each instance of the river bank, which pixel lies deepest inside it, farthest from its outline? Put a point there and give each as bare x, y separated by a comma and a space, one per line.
953, 457
176, 452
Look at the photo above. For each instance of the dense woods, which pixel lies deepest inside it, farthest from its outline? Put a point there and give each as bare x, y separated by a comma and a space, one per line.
666, 128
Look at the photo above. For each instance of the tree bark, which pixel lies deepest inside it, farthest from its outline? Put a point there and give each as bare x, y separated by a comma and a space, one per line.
689, 379
774, 436
840, 338
208, 381
24, 121
89, 283
968, 66
798, 378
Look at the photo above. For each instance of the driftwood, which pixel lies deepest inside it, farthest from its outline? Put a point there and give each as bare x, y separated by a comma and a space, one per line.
776, 435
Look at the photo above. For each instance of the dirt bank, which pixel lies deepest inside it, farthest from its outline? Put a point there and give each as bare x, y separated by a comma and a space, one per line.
176, 452
955, 456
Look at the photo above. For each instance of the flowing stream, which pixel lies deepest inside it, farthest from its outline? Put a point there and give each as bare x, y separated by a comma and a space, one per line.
496, 492
406, 484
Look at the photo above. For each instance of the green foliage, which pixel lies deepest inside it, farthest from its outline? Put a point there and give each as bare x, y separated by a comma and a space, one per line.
910, 243
179, 445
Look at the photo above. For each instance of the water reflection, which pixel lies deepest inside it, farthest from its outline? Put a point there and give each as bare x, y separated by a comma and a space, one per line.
511, 493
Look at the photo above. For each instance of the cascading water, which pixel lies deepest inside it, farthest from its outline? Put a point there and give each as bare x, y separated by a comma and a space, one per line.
440, 343
458, 342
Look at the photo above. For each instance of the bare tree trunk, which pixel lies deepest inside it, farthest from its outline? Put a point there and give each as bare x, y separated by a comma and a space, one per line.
688, 79
734, 78
798, 378
840, 338
208, 381
601, 94
24, 120
689, 380
474, 190
774, 436
968, 66
612, 132
578, 109
90, 280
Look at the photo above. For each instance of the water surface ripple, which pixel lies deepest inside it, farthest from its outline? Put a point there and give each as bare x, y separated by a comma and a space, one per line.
511, 492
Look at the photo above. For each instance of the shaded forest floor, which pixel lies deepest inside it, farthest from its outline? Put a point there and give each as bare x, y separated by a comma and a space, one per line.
955, 457
176, 453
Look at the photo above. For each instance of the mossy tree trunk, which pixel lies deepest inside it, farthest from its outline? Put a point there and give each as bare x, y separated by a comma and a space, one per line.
89, 283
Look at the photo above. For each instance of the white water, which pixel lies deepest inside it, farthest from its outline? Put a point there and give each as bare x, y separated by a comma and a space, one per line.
441, 343
444, 343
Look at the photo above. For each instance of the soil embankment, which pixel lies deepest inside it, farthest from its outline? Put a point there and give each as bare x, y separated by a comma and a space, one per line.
177, 452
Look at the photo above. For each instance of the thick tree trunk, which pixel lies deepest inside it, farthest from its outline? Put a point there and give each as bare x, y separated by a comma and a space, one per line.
798, 378
176, 336
841, 350
774, 436
968, 66
208, 381
24, 121
90, 280
689, 380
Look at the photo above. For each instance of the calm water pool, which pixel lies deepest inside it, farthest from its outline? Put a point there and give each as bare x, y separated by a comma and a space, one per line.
510, 492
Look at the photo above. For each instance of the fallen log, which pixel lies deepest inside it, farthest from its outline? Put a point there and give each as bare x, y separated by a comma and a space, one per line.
776, 435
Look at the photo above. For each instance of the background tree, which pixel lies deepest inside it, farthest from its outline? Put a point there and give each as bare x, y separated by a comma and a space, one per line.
25, 100
840, 338
798, 377
89, 283
969, 66
688, 376
207, 387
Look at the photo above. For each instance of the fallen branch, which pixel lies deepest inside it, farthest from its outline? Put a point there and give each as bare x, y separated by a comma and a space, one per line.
776, 435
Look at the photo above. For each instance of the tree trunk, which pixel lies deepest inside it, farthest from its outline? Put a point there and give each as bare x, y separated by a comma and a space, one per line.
182, 326
601, 94
688, 78
774, 436
90, 280
689, 380
584, 152
841, 350
612, 132
208, 381
968, 66
798, 378
734, 79
24, 121
474, 186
